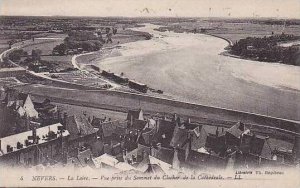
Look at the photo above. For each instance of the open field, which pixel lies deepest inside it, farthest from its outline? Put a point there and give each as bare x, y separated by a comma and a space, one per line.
99, 113
60, 62
43, 44
80, 78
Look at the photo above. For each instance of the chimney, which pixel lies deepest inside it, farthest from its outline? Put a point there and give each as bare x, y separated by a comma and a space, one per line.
189, 146
217, 131
124, 155
157, 125
158, 145
131, 120
151, 151
296, 148
175, 162
34, 140
150, 138
175, 117
189, 120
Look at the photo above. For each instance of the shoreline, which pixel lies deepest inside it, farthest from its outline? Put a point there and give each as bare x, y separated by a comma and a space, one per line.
225, 52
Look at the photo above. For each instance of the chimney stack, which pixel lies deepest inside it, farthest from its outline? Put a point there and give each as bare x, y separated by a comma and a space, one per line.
34, 140
217, 132
296, 148
189, 120
189, 146
175, 162
175, 117
131, 120
151, 150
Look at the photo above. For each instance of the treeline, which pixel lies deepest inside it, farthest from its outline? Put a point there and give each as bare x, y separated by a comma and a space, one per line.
16, 55
267, 49
78, 41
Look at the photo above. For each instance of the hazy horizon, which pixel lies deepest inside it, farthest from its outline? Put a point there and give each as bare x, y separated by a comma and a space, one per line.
154, 8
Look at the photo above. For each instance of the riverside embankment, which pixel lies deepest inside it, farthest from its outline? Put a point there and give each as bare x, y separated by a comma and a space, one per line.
189, 67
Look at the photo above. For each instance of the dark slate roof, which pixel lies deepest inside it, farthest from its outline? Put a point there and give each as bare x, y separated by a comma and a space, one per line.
165, 132
22, 96
201, 160
154, 169
97, 121
164, 154
260, 146
84, 157
110, 127
79, 126
139, 124
236, 130
134, 113
191, 126
179, 138
199, 138
217, 144
144, 163
146, 136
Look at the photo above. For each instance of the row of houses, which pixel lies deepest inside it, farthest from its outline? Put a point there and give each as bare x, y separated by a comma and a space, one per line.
147, 145
141, 144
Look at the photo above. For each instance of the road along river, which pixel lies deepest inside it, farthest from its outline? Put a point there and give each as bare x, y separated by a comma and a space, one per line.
190, 68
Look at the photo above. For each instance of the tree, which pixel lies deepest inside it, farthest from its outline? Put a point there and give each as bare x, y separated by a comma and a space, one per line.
36, 54
17, 54
60, 49
115, 31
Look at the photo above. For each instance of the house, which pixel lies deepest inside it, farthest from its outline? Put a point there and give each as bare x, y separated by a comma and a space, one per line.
110, 162
233, 134
135, 115
165, 130
34, 147
45, 107
82, 133
22, 100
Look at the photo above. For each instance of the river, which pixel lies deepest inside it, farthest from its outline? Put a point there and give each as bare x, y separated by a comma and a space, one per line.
190, 68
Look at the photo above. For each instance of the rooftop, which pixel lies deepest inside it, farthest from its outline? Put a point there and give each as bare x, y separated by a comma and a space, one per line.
42, 133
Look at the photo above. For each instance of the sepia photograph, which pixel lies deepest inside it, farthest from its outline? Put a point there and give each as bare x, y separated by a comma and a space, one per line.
150, 93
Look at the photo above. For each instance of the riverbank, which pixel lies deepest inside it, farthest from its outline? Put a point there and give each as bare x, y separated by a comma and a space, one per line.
191, 69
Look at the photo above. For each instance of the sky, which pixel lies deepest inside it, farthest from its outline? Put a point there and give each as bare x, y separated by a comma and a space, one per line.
153, 8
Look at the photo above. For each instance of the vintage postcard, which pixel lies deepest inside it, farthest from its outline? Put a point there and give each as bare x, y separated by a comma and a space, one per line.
150, 93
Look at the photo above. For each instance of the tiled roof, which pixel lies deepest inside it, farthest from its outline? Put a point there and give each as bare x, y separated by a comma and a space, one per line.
165, 132
164, 154
202, 160
180, 137
154, 169
105, 158
110, 127
236, 130
260, 146
139, 124
79, 126
84, 157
